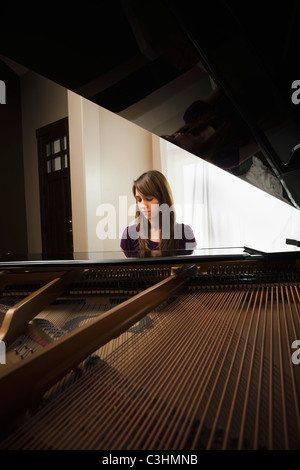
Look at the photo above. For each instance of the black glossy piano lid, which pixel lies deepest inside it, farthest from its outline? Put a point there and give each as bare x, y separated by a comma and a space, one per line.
251, 52
114, 258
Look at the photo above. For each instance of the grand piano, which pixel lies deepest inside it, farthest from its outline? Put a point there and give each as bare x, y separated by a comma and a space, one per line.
171, 352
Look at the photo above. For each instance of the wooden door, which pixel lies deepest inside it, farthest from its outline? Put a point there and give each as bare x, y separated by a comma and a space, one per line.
55, 189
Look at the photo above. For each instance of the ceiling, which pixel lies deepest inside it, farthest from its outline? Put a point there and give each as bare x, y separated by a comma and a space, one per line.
115, 61
120, 51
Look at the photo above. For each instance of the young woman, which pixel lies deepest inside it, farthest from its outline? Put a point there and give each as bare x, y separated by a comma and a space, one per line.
156, 227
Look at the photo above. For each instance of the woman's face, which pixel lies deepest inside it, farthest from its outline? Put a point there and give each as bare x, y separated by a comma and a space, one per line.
148, 205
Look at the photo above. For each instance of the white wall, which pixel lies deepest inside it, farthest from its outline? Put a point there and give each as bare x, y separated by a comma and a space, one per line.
43, 102
107, 154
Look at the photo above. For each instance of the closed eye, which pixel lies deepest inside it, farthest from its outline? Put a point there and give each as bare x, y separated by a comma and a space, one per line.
148, 199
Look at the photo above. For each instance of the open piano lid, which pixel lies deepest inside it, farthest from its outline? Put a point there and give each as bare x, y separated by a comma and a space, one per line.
251, 54
133, 48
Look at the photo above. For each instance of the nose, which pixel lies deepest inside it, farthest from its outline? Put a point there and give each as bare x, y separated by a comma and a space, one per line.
144, 203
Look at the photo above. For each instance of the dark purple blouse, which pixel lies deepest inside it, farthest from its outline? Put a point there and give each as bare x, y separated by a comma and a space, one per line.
130, 242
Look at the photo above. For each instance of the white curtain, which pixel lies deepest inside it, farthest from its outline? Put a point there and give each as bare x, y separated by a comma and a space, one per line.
223, 210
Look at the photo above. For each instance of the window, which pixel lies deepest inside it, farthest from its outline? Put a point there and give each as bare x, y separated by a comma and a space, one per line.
56, 155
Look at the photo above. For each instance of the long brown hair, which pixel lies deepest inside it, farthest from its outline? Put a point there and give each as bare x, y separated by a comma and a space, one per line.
154, 183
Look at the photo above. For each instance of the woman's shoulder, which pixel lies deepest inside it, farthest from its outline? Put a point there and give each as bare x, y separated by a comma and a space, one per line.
185, 231
130, 232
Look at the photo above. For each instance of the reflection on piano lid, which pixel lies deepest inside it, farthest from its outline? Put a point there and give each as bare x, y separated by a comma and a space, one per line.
133, 49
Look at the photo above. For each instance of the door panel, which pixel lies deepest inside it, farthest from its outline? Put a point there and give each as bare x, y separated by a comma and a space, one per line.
55, 191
